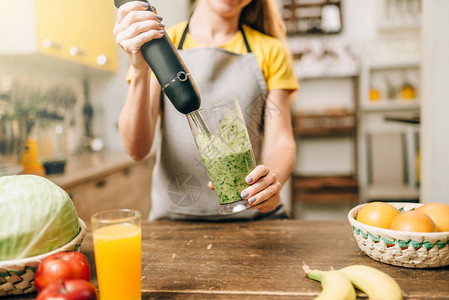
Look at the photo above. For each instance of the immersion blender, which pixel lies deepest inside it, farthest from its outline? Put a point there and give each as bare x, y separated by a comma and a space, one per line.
172, 74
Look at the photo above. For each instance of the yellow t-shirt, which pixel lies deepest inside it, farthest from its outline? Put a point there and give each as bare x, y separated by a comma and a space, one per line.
270, 54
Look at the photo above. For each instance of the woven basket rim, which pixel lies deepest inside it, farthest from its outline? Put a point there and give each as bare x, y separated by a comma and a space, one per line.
24, 261
432, 237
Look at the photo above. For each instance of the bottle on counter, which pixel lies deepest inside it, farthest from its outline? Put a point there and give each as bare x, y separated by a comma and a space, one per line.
30, 158
408, 91
53, 147
392, 91
374, 94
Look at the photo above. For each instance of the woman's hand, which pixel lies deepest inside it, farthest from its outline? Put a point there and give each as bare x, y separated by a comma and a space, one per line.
263, 191
134, 27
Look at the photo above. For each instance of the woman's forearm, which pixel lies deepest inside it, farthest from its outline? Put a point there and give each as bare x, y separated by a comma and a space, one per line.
138, 117
280, 158
135, 26
279, 149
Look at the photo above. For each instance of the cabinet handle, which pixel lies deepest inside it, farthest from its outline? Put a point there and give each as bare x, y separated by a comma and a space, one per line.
48, 43
75, 51
102, 59
101, 183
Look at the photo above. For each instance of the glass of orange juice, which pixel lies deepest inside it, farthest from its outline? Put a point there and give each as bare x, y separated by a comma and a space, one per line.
117, 247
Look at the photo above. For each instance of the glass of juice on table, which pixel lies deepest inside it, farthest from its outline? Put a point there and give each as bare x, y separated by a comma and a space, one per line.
117, 247
226, 151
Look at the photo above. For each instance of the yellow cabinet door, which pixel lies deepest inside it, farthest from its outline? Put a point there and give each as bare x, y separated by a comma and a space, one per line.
99, 42
79, 31
56, 30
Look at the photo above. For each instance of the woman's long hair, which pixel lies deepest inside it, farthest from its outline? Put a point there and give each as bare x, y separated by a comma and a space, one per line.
264, 16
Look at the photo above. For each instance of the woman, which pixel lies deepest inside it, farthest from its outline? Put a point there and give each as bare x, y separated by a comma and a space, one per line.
233, 49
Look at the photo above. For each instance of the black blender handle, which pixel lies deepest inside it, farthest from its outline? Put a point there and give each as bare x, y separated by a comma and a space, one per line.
171, 72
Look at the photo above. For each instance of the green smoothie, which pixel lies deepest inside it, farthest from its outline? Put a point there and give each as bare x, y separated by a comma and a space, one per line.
228, 174
228, 158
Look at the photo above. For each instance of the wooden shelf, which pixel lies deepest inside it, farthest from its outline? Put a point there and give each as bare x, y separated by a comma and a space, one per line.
326, 189
396, 64
413, 118
303, 17
326, 124
328, 75
323, 131
388, 25
391, 105
332, 126
396, 193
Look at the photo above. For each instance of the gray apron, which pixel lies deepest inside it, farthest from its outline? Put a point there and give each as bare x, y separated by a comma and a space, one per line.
179, 189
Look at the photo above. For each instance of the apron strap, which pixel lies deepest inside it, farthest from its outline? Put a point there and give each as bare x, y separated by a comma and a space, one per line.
183, 37
186, 29
248, 48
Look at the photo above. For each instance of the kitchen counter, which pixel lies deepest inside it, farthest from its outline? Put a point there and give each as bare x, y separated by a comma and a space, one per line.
257, 260
83, 167
106, 180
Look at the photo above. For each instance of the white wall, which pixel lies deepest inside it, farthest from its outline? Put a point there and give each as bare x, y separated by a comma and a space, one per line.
173, 11
435, 108
359, 19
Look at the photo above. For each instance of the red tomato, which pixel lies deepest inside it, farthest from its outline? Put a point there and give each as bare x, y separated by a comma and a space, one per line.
61, 266
74, 289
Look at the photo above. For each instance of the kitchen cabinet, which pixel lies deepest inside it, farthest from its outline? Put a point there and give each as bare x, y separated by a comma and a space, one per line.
103, 181
398, 14
312, 17
390, 80
322, 187
326, 167
129, 187
79, 32
389, 168
325, 124
390, 85
389, 150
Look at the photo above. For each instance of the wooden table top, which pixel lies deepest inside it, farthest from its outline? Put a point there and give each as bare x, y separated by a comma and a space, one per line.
257, 260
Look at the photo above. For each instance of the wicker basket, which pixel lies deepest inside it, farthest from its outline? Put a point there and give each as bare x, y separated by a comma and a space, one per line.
399, 248
17, 276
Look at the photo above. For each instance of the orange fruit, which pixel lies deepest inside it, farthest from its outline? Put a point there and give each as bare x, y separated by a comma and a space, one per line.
413, 221
379, 214
438, 212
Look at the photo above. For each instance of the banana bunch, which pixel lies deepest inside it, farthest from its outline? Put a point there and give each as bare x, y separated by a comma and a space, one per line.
339, 284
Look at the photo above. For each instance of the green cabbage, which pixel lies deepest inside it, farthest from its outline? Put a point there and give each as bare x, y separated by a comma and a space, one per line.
36, 216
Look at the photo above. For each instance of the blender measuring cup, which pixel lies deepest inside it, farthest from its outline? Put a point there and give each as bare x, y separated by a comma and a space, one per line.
226, 152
